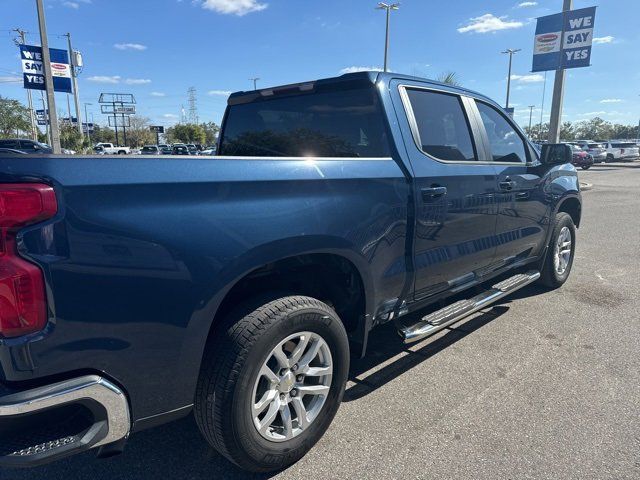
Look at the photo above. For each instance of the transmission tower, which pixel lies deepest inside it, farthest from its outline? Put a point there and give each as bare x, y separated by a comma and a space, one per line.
193, 107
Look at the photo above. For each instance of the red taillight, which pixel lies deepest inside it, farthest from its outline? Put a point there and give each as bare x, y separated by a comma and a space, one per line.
22, 298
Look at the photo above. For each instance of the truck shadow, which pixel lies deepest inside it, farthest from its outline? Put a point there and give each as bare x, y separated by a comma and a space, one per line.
177, 450
381, 351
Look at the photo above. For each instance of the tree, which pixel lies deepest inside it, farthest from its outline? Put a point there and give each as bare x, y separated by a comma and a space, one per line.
595, 129
71, 139
211, 130
103, 135
450, 78
186, 133
567, 131
138, 133
14, 118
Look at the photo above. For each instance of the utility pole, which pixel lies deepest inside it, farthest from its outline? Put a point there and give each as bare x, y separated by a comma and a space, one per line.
48, 80
74, 81
255, 82
47, 130
544, 92
511, 52
531, 107
388, 8
558, 93
86, 119
23, 41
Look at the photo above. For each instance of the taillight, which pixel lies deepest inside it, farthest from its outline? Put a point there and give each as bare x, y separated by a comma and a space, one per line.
22, 298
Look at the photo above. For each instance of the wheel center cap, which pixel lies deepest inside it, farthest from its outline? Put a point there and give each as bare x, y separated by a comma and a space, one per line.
287, 382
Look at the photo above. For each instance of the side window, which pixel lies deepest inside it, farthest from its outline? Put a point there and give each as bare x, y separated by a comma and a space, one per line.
26, 145
506, 144
9, 144
443, 128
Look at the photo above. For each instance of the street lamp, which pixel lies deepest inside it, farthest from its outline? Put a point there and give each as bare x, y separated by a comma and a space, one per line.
510, 51
531, 107
388, 8
255, 82
86, 119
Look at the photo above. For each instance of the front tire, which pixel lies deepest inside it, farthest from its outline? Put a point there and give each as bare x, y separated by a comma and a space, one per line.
271, 382
560, 252
586, 167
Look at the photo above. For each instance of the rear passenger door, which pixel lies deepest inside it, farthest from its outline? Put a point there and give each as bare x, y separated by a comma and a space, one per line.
523, 209
454, 187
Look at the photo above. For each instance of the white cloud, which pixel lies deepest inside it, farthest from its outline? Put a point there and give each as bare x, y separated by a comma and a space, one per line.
10, 78
489, 23
130, 46
355, 69
234, 7
74, 5
530, 78
221, 93
105, 79
611, 100
527, 4
169, 115
137, 81
158, 94
593, 114
600, 40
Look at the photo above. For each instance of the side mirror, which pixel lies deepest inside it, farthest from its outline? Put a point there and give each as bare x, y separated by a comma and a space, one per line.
556, 154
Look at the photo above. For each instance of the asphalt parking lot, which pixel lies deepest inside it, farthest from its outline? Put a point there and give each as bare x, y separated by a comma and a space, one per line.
543, 385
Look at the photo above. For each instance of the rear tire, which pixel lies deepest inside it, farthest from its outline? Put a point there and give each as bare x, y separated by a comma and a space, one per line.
586, 167
559, 258
234, 382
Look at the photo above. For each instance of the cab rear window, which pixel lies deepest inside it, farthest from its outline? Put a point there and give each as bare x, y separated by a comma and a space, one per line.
341, 123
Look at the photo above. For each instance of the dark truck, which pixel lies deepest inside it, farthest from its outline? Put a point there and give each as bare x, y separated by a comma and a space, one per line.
238, 287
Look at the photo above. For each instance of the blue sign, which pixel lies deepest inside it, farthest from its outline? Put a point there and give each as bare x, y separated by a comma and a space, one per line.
564, 40
33, 68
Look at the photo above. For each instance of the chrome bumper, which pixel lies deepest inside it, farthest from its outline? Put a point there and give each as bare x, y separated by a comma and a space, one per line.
110, 422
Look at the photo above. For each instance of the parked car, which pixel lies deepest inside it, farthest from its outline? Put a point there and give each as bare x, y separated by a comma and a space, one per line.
166, 149
193, 150
111, 149
150, 150
12, 151
27, 146
180, 149
621, 151
238, 288
581, 158
208, 151
596, 150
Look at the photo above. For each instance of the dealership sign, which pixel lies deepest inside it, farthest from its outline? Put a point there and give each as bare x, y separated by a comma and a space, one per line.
564, 40
33, 68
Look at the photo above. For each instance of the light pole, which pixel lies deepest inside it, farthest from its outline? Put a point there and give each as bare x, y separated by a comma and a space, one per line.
48, 81
531, 107
510, 51
74, 79
86, 119
255, 82
387, 7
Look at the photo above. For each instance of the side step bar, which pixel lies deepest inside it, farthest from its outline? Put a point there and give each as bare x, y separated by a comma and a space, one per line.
455, 312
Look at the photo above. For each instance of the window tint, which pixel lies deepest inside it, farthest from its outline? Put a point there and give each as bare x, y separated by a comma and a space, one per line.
442, 125
27, 145
345, 123
506, 144
9, 143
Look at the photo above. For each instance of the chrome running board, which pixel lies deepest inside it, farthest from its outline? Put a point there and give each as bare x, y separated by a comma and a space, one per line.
457, 311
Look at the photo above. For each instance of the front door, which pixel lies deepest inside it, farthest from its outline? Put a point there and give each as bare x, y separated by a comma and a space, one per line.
455, 189
523, 210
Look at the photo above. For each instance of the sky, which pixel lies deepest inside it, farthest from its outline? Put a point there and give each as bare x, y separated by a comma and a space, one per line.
158, 49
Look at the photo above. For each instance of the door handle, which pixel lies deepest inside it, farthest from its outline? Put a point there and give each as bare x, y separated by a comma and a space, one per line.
433, 192
508, 184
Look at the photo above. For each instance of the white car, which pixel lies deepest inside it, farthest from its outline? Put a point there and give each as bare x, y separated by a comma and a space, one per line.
621, 151
111, 149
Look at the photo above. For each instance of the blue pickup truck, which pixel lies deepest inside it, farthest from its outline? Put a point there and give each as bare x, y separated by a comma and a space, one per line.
238, 287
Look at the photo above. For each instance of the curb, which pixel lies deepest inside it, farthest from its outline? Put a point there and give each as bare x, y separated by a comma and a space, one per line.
585, 186
617, 165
